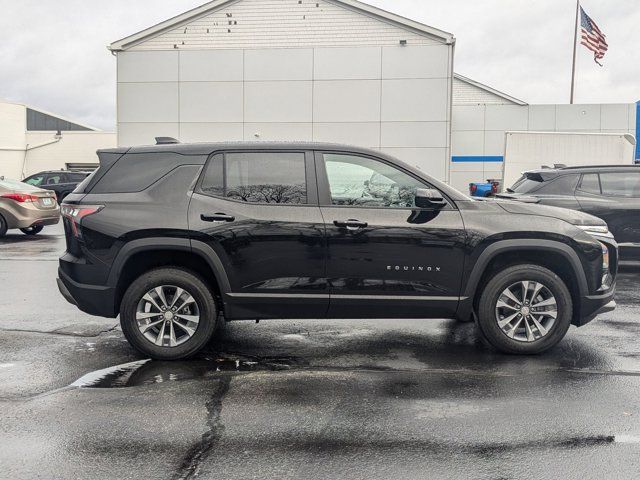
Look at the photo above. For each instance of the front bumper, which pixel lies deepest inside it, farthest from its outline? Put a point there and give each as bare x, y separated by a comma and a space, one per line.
594, 305
92, 299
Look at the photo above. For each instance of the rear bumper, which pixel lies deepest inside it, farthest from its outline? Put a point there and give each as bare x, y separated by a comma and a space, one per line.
92, 299
20, 216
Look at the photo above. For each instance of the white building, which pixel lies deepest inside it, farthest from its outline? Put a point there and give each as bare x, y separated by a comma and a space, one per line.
322, 70
32, 140
327, 70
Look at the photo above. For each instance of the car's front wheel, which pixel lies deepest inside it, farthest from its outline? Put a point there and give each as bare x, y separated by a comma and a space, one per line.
525, 309
168, 314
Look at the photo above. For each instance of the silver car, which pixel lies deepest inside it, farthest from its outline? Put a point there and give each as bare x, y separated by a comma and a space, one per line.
26, 207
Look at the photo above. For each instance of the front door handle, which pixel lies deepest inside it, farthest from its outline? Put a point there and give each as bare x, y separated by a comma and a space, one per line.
217, 217
350, 224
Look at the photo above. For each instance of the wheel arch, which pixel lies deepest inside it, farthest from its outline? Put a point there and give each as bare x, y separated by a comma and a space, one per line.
557, 257
142, 255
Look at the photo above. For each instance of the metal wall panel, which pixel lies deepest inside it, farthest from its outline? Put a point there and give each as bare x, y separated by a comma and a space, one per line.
211, 132
347, 63
211, 65
571, 118
278, 64
278, 101
278, 131
430, 160
418, 134
346, 101
614, 117
148, 67
470, 142
415, 62
542, 118
211, 102
131, 134
353, 133
506, 117
414, 100
148, 102
468, 117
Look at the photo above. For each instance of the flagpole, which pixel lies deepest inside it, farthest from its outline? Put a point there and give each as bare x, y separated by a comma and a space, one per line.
575, 52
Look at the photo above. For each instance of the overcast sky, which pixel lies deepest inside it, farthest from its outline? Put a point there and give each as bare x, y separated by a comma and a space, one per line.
54, 54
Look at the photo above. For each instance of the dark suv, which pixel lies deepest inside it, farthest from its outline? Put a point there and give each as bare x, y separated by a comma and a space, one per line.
611, 193
177, 237
59, 181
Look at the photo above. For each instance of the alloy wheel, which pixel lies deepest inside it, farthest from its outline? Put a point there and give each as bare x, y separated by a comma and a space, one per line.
167, 316
526, 311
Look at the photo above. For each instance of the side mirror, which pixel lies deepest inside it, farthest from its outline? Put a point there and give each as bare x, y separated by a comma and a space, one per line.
429, 198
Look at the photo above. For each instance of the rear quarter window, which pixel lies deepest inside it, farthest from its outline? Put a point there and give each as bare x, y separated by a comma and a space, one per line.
135, 172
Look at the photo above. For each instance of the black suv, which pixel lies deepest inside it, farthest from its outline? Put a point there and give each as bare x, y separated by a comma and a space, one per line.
177, 237
59, 181
611, 193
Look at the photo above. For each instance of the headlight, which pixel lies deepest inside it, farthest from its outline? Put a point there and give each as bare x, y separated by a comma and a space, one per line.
597, 231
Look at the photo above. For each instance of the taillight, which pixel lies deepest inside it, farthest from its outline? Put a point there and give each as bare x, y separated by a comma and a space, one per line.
494, 187
75, 214
20, 197
473, 188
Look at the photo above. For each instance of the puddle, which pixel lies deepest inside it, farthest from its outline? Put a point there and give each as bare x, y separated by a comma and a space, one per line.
148, 372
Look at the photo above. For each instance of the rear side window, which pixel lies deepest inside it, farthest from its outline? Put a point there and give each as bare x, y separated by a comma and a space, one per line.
258, 177
590, 183
620, 184
75, 177
526, 185
564, 185
135, 172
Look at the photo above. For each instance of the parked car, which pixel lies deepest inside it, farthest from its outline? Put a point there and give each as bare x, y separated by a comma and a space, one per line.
611, 193
172, 236
60, 181
26, 207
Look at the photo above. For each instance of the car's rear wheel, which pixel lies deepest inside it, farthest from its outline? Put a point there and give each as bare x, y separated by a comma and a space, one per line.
34, 230
168, 314
3, 226
525, 309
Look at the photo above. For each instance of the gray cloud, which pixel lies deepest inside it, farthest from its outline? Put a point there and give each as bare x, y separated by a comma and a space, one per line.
54, 54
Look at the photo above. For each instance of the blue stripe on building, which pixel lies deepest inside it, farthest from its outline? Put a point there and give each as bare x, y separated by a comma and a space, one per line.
638, 132
478, 158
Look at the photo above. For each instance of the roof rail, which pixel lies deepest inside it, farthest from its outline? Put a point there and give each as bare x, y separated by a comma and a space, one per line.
166, 141
630, 165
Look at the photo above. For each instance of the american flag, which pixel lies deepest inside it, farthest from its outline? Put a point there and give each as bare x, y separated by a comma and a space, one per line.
593, 38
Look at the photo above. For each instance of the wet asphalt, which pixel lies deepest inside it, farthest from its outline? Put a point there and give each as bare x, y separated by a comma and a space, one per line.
366, 399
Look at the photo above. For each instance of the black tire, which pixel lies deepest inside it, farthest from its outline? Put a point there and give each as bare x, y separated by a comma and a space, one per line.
32, 230
488, 318
3, 226
192, 284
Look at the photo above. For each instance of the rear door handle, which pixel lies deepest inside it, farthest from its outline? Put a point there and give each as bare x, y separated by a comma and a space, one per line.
350, 224
217, 217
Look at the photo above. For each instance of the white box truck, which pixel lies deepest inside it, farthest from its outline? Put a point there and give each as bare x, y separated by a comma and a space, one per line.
526, 151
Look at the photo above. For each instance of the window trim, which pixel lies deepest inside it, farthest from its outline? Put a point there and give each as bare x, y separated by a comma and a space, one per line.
324, 190
309, 173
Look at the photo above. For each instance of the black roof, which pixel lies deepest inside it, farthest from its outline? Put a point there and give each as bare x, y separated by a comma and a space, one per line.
208, 148
545, 174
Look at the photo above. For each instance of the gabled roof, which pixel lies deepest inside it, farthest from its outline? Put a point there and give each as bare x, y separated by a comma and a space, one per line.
214, 5
487, 88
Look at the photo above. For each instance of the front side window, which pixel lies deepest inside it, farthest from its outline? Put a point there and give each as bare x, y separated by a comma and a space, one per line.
258, 177
620, 184
361, 181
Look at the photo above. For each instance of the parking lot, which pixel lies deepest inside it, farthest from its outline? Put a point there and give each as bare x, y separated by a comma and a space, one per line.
304, 399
